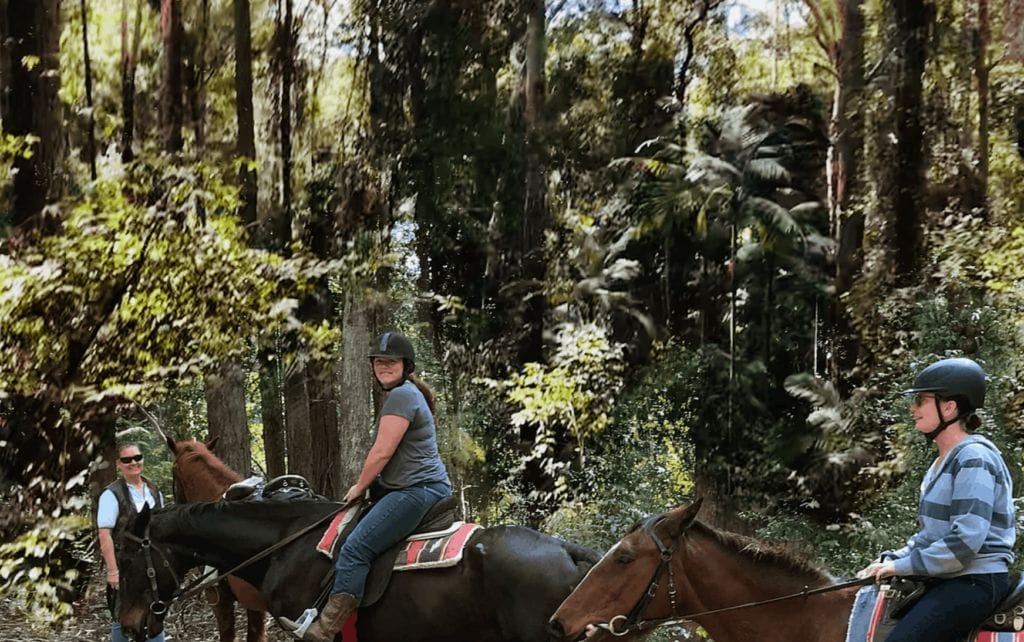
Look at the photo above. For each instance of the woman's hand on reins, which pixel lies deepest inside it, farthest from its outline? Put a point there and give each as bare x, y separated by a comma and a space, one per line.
878, 570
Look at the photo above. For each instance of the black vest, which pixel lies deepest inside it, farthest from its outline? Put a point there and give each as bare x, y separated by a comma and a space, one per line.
126, 507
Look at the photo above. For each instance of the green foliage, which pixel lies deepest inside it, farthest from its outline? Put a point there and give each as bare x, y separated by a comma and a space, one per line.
573, 394
644, 462
37, 571
151, 281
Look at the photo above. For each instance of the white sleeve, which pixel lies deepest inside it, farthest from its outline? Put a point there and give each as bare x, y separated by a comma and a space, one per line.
106, 514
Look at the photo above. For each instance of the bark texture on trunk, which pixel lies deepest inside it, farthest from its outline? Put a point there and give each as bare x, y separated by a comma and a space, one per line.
225, 412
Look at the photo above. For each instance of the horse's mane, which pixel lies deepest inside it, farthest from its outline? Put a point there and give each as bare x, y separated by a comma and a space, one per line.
761, 552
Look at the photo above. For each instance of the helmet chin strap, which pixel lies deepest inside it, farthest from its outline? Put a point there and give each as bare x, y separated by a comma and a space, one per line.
943, 423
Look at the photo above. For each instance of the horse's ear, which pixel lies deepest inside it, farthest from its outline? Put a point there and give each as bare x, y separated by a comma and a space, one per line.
679, 519
172, 445
210, 445
139, 524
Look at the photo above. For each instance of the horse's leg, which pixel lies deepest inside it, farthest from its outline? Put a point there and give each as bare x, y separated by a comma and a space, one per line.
222, 601
256, 629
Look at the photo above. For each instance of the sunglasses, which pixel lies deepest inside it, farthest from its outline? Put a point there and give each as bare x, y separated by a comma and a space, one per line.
131, 458
921, 397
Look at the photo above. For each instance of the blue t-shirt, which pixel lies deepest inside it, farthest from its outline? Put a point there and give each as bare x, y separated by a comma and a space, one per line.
416, 458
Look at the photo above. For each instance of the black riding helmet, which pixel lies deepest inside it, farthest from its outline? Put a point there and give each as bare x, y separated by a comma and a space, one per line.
961, 380
394, 346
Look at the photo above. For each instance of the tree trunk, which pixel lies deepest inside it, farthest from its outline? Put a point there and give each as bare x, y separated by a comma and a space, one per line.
247, 179
358, 330
323, 423
904, 186
195, 78
296, 421
845, 197
982, 37
272, 413
129, 56
31, 107
287, 66
225, 412
91, 151
172, 32
535, 213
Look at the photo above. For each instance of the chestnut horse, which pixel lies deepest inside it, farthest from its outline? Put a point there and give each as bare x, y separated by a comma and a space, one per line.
704, 570
199, 476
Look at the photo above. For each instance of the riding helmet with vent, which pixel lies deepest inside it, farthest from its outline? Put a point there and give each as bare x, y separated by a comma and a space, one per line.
962, 380
394, 346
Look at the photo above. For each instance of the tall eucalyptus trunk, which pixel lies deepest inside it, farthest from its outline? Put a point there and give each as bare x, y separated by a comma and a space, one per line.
846, 135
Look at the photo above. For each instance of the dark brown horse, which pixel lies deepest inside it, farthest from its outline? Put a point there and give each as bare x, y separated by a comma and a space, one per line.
708, 570
509, 582
199, 476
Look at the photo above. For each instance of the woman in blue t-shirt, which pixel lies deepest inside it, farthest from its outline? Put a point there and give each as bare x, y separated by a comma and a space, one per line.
405, 471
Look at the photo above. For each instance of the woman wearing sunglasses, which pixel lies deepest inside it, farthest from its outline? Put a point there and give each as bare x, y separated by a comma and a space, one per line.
966, 514
119, 502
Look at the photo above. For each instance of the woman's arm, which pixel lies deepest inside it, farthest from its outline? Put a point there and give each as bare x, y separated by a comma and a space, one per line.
390, 431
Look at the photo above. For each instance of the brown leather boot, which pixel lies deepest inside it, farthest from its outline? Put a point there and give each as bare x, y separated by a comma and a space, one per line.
339, 607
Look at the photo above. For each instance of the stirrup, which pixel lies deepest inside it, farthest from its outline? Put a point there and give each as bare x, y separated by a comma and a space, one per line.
299, 627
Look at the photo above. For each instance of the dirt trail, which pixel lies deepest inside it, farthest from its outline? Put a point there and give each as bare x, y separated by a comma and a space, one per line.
189, 621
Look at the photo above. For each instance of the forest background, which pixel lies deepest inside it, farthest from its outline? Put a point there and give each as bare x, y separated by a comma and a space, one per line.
647, 251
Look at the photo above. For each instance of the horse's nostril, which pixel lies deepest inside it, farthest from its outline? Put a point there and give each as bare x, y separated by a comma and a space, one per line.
555, 628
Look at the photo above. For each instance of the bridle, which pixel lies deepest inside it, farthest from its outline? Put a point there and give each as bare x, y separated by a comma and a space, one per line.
157, 608
620, 625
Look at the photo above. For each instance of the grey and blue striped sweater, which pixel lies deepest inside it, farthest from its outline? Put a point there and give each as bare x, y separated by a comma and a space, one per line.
966, 516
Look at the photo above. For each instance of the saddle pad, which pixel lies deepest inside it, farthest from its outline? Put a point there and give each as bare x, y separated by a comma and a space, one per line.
999, 636
433, 550
329, 542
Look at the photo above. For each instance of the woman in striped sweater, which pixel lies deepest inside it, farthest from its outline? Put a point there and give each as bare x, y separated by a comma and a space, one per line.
966, 513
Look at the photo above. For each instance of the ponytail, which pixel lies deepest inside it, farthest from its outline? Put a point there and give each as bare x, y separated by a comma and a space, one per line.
428, 394
972, 422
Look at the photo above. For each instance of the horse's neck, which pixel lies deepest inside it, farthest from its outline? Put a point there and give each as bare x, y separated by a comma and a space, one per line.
220, 540
723, 578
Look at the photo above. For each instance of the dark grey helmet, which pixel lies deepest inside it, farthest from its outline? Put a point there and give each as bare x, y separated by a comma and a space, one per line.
959, 379
394, 346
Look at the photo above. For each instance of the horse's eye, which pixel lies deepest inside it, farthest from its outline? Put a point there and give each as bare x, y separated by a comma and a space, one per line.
624, 558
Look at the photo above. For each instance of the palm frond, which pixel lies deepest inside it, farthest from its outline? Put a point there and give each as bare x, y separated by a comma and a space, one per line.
772, 215
766, 170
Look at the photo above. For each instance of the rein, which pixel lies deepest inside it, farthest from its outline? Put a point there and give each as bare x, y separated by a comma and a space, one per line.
633, 621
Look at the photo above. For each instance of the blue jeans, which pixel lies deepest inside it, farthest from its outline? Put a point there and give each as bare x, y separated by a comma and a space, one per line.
116, 635
389, 521
951, 609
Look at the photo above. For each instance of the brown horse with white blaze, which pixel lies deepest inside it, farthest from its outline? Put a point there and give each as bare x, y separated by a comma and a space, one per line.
694, 572
199, 476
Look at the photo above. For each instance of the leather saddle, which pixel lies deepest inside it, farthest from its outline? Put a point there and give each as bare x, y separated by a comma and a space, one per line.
283, 487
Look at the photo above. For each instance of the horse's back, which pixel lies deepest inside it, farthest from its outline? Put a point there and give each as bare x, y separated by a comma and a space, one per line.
511, 579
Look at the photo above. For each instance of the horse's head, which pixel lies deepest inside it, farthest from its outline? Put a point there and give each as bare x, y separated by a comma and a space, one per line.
197, 473
630, 583
149, 577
